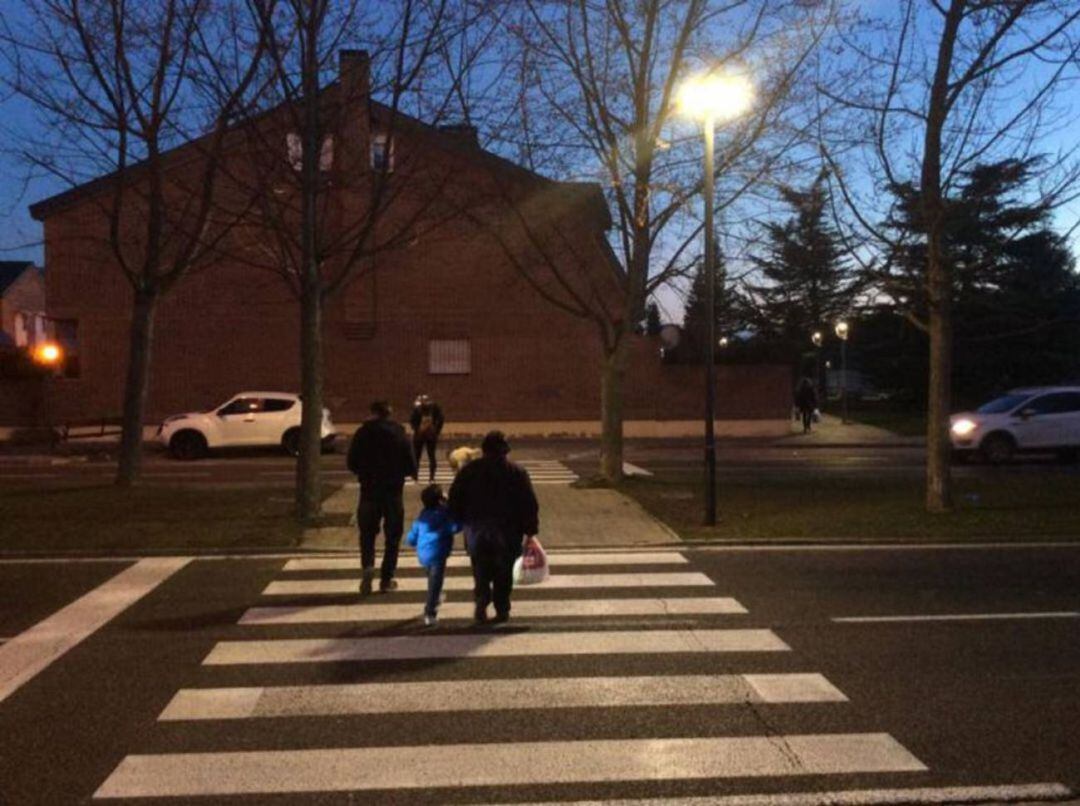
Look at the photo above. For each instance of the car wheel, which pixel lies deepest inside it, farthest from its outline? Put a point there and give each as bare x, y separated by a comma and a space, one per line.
291, 442
997, 449
187, 446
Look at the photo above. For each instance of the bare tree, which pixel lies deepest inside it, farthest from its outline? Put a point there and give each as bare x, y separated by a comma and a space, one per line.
118, 88
943, 87
598, 83
341, 171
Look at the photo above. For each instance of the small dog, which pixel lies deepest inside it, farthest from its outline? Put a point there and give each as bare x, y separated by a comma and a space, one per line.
459, 457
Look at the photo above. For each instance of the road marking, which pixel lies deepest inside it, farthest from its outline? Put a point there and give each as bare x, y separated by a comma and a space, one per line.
31, 651
503, 764
497, 695
956, 617
528, 608
557, 559
300, 587
1009, 793
493, 645
1016, 546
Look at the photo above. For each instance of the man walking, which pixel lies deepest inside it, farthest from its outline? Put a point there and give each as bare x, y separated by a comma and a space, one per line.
427, 424
381, 458
494, 499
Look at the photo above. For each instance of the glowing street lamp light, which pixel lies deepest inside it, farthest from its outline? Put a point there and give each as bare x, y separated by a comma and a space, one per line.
842, 334
48, 354
709, 98
723, 343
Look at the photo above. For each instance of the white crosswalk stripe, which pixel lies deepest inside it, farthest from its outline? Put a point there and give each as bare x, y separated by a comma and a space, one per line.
527, 608
310, 587
678, 620
497, 695
558, 560
541, 471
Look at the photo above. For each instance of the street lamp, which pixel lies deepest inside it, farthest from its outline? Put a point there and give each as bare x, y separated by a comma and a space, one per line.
842, 334
48, 354
709, 98
723, 343
817, 340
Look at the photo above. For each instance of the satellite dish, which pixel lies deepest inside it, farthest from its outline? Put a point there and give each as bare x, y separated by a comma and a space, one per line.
670, 336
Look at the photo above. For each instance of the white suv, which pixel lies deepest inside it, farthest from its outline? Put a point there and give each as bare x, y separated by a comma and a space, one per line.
249, 419
1040, 419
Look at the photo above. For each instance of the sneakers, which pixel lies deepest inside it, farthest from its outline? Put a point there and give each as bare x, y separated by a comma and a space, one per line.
387, 585
430, 621
366, 582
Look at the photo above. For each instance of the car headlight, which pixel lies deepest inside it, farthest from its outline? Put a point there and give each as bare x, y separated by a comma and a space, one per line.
963, 427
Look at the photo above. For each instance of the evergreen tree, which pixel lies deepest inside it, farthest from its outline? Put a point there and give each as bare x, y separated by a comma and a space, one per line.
808, 282
726, 310
652, 319
1017, 292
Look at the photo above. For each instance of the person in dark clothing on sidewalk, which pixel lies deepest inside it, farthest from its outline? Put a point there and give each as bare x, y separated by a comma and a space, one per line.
380, 456
493, 498
427, 425
806, 402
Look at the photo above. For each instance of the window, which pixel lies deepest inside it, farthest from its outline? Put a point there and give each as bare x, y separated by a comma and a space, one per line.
382, 153
1056, 403
450, 357
294, 147
242, 405
66, 333
22, 330
277, 404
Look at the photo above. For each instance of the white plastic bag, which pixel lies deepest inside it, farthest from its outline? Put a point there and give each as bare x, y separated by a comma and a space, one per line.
531, 568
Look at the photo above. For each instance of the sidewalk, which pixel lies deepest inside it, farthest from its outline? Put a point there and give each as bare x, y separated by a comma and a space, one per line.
569, 518
831, 432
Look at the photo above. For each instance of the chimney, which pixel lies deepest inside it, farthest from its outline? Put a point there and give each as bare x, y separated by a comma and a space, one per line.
463, 133
354, 71
354, 118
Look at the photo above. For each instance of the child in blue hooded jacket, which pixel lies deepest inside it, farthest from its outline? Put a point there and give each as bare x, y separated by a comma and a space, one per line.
432, 534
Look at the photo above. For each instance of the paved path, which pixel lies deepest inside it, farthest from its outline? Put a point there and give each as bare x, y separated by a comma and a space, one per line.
832, 431
569, 517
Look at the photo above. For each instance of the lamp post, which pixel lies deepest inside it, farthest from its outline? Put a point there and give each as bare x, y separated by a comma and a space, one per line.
709, 98
817, 338
842, 334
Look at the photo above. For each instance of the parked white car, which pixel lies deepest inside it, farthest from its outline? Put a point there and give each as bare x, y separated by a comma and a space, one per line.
248, 419
1039, 419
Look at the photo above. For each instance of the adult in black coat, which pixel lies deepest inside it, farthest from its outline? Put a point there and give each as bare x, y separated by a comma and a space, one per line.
494, 499
381, 458
806, 402
427, 424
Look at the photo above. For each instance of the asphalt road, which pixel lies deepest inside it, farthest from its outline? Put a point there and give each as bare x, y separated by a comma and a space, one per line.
985, 701
270, 468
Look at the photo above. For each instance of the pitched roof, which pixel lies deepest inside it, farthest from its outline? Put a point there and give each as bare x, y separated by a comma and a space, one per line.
589, 192
12, 270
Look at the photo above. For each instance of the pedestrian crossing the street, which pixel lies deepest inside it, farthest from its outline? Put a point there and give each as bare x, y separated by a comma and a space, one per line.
622, 670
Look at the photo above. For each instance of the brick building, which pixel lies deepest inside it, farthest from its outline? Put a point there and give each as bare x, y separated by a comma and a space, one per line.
22, 303
451, 304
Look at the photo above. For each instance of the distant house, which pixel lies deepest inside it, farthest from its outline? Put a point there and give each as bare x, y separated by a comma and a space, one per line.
445, 311
22, 304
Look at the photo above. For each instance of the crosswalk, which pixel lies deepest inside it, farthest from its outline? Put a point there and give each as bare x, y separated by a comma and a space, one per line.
541, 471
606, 639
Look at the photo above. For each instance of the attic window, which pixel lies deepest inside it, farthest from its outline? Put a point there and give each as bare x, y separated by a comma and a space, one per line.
382, 153
294, 146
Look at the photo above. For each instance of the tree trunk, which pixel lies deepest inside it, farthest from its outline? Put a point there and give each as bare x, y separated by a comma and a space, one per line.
939, 394
612, 381
308, 465
140, 340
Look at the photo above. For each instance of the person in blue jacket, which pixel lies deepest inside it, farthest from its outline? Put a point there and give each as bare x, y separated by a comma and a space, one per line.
432, 534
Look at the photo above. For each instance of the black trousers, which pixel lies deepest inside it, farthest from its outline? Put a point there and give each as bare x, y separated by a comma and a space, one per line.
807, 418
493, 578
419, 444
380, 508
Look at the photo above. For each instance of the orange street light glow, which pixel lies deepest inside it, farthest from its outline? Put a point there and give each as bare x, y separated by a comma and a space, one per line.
48, 353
